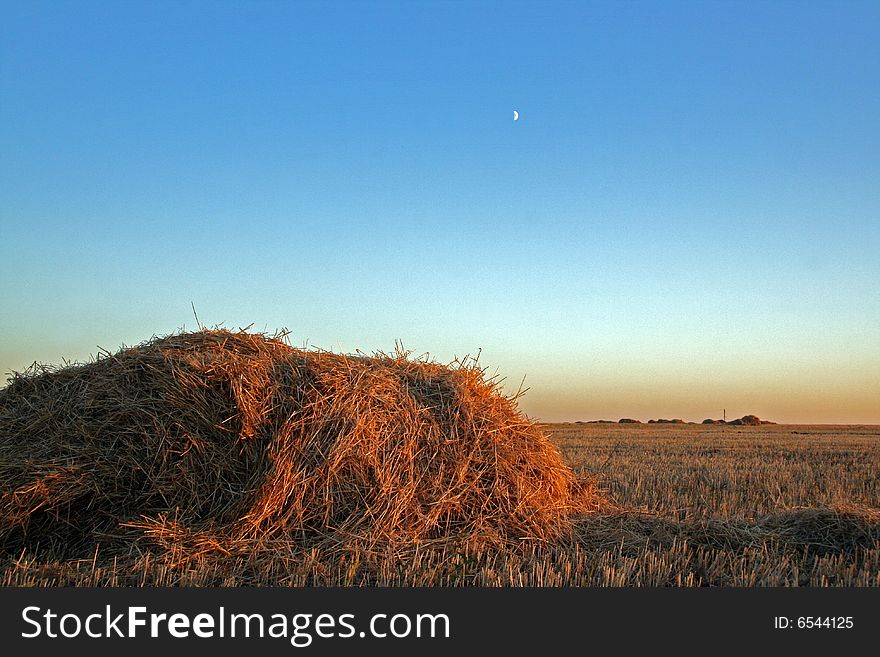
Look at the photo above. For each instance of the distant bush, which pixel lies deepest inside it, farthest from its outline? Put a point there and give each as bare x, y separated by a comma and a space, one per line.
747, 420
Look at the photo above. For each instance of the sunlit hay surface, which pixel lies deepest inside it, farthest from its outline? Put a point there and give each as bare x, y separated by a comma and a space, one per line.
237, 448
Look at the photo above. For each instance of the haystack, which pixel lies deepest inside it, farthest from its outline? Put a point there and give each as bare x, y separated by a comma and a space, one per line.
215, 440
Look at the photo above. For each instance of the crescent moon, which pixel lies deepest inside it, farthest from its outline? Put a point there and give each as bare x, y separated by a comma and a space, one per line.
515, 115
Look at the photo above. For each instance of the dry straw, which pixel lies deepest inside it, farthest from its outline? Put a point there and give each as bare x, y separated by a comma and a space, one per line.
225, 443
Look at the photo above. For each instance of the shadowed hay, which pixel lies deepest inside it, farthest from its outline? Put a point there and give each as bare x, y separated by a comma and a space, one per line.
234, 443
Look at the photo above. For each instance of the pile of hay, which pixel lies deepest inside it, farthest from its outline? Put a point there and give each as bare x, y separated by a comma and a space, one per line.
214, 440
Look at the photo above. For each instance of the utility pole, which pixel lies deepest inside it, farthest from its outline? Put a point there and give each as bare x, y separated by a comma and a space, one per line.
725, 415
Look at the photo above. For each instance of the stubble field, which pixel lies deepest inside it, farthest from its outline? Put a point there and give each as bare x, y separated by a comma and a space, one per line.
728, 505
727, 472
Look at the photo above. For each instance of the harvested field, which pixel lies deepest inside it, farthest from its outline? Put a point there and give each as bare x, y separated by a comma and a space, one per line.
727, 472
222, 459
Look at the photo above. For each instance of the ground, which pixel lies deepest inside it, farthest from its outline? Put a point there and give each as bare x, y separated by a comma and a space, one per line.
726, 472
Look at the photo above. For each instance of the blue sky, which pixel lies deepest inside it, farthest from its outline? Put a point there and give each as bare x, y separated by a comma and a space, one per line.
685, 218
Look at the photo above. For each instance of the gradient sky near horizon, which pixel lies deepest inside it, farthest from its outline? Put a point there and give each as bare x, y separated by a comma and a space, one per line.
685, 218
